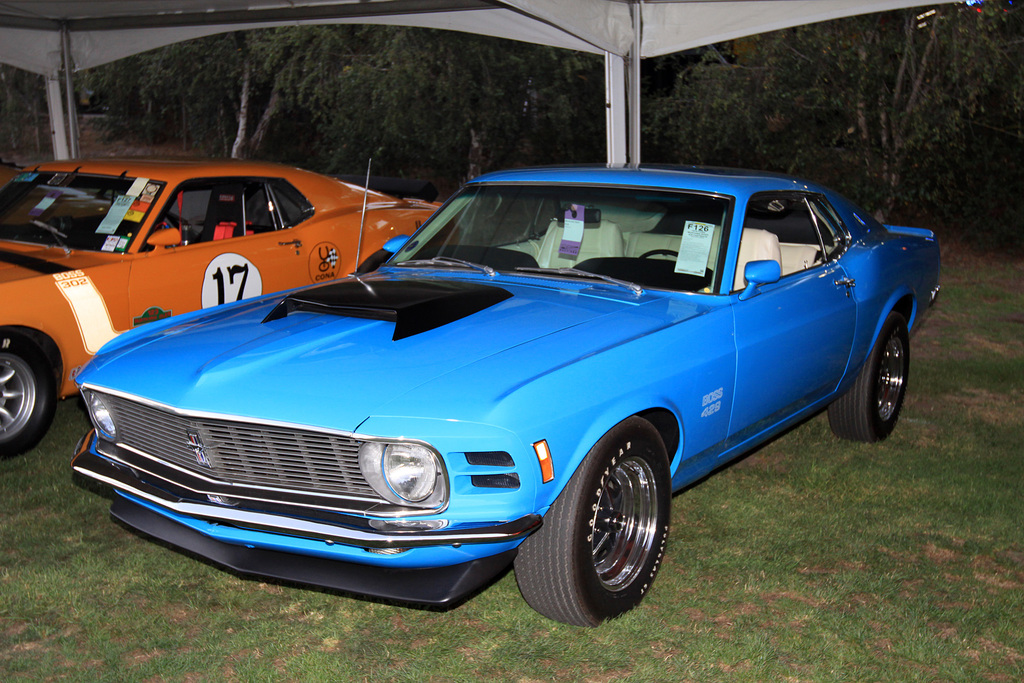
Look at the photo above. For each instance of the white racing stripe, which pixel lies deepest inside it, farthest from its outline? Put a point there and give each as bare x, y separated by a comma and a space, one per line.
89, 308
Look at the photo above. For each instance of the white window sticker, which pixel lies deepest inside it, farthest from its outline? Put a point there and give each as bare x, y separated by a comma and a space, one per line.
230, 277
694, 247
137, 187
572, 235
115, 215
110, 244
45, 203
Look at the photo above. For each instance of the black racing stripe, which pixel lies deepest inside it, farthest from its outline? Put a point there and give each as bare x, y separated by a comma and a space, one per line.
32, 263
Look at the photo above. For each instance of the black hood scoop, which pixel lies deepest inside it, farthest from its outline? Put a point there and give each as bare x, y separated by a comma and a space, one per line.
414, 306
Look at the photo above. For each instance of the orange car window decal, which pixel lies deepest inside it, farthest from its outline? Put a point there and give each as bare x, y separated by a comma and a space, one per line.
137, 187
115, 215
88, 307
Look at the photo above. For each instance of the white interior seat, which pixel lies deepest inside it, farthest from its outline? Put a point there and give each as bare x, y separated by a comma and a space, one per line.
797, 257
756, 245
603, 240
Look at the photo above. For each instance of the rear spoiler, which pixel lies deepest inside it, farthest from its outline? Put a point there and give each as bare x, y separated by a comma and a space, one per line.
396, 187
913, 232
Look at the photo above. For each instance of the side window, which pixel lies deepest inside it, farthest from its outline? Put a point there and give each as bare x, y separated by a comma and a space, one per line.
292, 207
259, 210
833, 237
782, 227
217, 210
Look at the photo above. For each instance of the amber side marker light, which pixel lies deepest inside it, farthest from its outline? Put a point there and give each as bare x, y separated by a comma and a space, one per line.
547, 470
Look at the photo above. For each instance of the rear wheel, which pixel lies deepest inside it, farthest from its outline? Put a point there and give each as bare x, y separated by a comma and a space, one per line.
28, 394
869, 410
602, 541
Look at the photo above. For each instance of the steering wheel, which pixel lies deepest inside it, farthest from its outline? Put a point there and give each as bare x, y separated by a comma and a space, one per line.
659, 252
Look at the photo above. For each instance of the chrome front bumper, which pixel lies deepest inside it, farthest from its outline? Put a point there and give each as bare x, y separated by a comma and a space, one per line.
191, 497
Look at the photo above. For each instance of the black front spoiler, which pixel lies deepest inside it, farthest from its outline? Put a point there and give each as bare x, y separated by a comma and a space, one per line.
426, 586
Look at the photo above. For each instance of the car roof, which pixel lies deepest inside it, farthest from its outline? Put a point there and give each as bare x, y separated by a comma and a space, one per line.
323, 191
700, 178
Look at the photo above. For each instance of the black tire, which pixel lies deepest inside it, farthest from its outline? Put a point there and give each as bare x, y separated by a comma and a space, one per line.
28, 394
870, 409
603, 540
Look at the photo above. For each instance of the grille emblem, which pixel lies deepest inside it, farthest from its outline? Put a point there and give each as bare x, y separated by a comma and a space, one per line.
195, 444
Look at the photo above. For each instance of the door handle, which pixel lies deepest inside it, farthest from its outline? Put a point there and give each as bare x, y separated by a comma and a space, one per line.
297, 243
847, 282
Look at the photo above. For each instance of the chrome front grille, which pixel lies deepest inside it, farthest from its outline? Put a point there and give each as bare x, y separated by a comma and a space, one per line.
244, 453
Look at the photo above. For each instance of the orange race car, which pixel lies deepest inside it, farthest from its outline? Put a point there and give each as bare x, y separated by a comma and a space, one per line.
7, 172
89, 249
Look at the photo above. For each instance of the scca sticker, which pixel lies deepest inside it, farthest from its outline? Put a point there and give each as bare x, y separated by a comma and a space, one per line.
323, 262
151, 314
230, 277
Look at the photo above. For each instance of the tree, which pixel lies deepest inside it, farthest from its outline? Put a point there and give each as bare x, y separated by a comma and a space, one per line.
22, 109
884, 106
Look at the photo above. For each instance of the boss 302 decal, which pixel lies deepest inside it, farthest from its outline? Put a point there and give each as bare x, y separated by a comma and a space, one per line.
88, 307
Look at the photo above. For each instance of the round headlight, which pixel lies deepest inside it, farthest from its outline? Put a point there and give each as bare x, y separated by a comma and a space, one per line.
411, 471
100, 414
403, 473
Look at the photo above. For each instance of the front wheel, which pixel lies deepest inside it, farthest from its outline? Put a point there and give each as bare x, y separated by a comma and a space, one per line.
869, 410
28, 394
603, 540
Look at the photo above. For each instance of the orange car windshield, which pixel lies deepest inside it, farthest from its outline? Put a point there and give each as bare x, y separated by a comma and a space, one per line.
75, 210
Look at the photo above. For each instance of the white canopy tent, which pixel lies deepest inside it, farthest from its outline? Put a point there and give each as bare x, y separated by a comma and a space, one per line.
51, 36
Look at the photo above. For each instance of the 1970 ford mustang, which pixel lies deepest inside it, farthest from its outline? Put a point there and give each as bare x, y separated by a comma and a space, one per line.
527, 380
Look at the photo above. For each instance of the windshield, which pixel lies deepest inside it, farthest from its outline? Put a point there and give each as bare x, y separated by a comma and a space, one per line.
76, 211
654, 238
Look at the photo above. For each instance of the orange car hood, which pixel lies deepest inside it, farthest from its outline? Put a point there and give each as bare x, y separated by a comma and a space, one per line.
19, 261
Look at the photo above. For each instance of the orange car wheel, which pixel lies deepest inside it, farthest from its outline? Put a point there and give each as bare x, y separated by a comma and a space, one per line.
28, 394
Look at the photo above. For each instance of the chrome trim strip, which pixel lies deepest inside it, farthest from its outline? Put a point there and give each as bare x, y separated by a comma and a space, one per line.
100, 469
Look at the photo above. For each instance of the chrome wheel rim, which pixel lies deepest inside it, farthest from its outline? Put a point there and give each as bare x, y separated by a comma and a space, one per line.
17, 394
890, 377
625, 523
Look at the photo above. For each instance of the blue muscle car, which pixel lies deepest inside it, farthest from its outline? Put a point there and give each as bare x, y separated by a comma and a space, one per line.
526, 381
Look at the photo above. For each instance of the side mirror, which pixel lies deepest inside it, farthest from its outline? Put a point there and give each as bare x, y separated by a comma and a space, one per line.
758, 273
166, 237
394, 245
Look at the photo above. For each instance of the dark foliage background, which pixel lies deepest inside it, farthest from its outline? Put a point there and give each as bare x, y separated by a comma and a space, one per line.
917, 114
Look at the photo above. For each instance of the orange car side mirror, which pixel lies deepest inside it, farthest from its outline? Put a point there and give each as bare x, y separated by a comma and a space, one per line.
168, 237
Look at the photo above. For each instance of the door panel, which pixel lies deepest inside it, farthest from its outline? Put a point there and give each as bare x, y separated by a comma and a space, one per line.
793, 344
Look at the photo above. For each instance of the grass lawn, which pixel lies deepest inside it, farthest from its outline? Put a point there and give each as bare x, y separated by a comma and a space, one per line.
811, 559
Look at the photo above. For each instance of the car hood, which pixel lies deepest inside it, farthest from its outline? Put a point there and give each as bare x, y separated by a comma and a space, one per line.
19, 261
333, 369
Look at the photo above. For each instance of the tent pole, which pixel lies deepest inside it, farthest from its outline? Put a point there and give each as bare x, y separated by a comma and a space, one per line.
633, 83
54, 105
615, 107
69, 66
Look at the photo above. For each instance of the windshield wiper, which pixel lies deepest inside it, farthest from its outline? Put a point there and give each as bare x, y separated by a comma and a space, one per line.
576, 272
448, 261
55, 233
